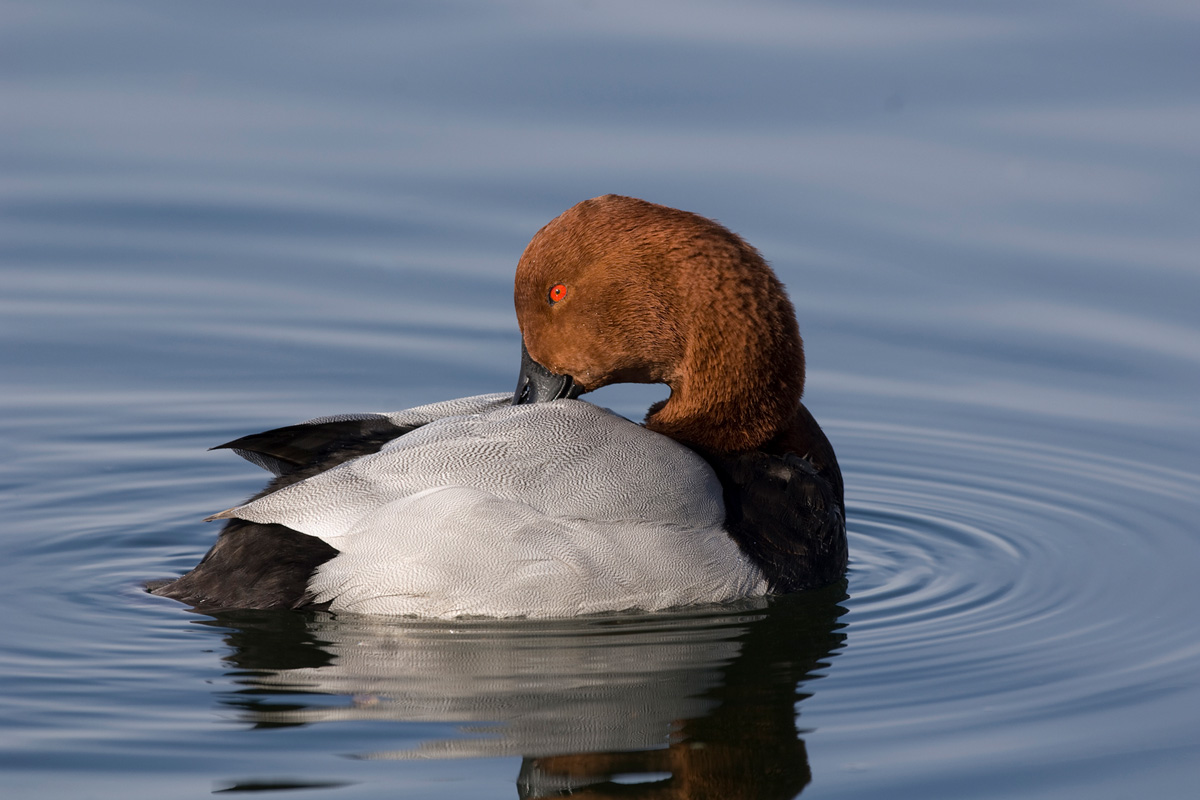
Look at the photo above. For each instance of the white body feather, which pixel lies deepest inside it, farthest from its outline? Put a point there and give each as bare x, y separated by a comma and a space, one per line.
545, 510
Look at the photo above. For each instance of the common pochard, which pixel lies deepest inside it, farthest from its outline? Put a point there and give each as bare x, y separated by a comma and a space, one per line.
543, 505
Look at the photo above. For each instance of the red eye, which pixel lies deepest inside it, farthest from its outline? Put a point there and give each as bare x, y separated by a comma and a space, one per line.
557, 293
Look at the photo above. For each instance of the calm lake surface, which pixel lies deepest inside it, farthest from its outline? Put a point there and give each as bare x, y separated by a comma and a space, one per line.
222, 217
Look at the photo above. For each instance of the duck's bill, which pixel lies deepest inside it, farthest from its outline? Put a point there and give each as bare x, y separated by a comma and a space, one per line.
539, 385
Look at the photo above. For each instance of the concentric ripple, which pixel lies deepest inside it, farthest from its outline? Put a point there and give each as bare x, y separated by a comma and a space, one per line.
1002, 582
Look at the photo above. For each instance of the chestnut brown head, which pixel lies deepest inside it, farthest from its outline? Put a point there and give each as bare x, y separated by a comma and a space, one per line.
620, 290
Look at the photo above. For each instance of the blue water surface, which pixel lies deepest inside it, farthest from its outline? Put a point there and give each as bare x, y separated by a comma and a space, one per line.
222, 217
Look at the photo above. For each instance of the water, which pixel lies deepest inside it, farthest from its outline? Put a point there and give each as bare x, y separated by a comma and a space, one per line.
222, 217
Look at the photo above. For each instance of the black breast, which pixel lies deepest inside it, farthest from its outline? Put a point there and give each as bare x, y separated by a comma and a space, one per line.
786, 515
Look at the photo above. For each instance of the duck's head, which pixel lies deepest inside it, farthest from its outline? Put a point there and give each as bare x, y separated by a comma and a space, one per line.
618, 290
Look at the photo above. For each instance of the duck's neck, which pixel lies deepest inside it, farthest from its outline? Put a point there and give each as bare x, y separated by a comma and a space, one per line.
720, 404
737, 382
717, 429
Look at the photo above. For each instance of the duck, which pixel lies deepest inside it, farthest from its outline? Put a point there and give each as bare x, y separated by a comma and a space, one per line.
538, 503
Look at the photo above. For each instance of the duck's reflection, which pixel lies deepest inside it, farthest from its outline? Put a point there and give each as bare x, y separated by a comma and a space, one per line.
686, 705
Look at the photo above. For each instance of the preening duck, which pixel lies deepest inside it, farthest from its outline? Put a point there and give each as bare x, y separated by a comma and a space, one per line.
544, 505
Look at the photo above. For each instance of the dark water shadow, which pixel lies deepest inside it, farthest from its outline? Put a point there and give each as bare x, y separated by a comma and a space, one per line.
699, 703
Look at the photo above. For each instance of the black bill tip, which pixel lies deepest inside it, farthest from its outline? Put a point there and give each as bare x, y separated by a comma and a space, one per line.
539, 385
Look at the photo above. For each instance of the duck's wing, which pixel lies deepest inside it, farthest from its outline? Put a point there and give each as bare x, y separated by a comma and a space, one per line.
300, 451
787, 516
316, 446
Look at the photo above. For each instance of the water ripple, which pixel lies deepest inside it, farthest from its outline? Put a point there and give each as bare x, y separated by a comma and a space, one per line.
1031, 570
